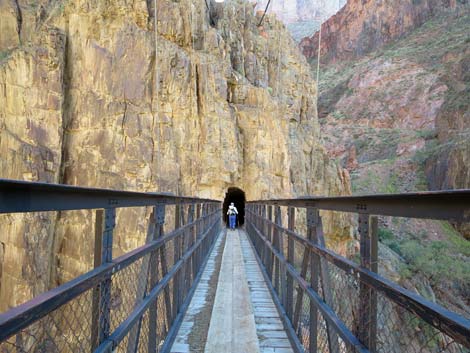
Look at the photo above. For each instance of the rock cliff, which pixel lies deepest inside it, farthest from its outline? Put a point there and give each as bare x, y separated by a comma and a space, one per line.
292, 11
398, 118
363, 26
84, 100
302, 17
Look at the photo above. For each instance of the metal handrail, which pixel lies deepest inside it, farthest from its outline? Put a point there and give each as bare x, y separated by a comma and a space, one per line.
445, 320
276, 244
170, 264
21, 196
27, 313
445, 205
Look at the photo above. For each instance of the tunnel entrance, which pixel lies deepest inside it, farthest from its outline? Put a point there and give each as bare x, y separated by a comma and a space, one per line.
237, 196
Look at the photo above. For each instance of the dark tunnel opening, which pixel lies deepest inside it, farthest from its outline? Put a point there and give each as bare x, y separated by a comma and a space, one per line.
237, 196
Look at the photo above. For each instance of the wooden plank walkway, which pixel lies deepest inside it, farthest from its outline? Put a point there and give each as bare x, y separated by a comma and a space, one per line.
244, 318
199, 303
270, 331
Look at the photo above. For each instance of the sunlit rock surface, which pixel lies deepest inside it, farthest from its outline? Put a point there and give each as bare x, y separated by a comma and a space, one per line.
84, 102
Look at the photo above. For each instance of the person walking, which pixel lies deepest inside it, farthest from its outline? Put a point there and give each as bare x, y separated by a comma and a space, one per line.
232, 215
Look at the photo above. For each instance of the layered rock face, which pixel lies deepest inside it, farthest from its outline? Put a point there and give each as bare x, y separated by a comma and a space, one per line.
409, 98
362, 26
85, 101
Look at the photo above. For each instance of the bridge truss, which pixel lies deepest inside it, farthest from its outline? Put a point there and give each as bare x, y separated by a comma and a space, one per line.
136, 302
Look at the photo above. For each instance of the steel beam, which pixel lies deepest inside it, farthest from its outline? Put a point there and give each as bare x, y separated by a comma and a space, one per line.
21, 196
451, 205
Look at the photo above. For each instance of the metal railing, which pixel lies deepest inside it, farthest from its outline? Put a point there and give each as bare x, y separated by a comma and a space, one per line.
332, 304
132, 303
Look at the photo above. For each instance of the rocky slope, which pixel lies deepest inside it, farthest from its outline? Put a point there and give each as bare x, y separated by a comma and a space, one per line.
398, 119
84, 101
363, 26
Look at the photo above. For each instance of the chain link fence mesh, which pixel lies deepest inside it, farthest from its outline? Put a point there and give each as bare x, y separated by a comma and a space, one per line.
66, 329
75, 326
355, 303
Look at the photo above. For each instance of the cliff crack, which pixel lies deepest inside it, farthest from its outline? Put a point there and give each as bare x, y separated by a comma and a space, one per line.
123, 123
19, 18
198, 93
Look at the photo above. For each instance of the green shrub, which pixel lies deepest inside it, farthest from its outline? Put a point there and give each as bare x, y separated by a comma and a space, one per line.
426, 134
404, 271
385, 234
436, 260
337, 114
395, 246
456, 241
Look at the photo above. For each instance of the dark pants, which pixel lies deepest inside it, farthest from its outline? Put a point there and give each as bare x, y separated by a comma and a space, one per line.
232, 219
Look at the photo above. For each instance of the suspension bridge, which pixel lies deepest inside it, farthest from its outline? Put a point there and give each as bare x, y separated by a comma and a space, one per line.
271, 285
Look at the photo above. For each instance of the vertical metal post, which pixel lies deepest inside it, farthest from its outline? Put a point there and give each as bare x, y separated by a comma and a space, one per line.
282, 269
188, 266
263, 229
364, 290
184, 268
270, 238
275, 242
95, 312
314, 279
319, 239
260, 225
146, 279
159, 219
176, 255
255, 223
181, 241
105, 286
205, 212
374, 266
300, 293
202, 227
198, 217
291, 260
198, 235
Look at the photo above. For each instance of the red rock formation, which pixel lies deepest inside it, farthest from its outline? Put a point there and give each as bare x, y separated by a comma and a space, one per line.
366, 25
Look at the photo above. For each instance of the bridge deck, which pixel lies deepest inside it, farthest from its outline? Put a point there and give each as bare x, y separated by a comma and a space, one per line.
243, 316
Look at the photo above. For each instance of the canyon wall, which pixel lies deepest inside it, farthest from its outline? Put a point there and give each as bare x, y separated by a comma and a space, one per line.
363, 26
291, 11
398, 118
302, 17
85, 101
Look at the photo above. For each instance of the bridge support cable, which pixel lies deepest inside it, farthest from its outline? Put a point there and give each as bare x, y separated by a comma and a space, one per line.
337, 300
264, 13
157, 121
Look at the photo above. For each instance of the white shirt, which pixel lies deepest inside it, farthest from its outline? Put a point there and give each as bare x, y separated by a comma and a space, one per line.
232, 210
